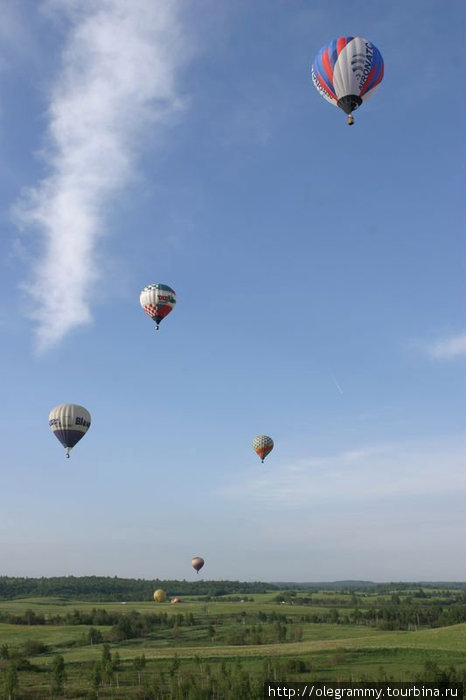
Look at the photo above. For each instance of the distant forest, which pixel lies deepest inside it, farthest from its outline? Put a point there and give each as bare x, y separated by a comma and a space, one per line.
369, 586
120, 589
126, 589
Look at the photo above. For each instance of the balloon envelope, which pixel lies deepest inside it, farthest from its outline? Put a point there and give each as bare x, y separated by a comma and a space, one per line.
160, 596
197, 563
263, 445
69, 423
158, 301
347, 71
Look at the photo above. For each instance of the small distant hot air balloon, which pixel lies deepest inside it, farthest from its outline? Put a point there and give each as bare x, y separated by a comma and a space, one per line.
263, 445
197, 563
160, 596
157, 300
347, 71
69, 423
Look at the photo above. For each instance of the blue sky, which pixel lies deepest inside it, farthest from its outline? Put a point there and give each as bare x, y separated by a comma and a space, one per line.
320, 280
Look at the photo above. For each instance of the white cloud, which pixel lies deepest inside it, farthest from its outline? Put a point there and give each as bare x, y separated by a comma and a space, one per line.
117, 79
449, 348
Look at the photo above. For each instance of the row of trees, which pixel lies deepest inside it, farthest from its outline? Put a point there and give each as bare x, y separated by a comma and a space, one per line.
444, 598
134, 624
392, 617
96, 616
228, 681
371, 588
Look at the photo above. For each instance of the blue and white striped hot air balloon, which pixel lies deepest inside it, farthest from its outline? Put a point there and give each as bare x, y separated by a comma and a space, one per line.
347, 71
69, 423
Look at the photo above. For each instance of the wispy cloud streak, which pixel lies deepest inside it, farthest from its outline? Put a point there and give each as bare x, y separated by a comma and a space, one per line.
449, 348
358, 476
117, 80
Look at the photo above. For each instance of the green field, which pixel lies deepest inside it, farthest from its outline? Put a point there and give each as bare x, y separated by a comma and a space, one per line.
185, 650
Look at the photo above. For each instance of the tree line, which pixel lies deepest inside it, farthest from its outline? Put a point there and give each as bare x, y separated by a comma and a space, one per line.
370, 587
120, 589
128, 589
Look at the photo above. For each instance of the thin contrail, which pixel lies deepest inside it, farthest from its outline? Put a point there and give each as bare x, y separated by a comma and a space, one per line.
336, 384
116, 83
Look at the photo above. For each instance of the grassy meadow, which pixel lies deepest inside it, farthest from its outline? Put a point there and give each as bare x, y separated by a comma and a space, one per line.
226, 645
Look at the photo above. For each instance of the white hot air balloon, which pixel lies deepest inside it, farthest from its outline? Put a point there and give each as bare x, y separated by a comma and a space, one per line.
69, 423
